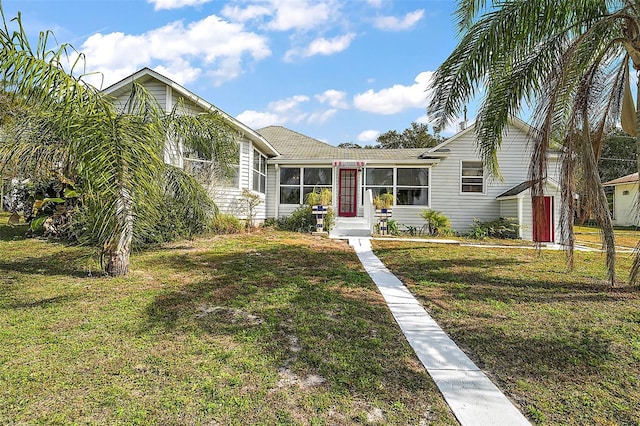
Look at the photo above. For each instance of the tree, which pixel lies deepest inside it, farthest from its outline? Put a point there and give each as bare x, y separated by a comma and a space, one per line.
416, 136
349, 145
115, 155
571, 60
619, 156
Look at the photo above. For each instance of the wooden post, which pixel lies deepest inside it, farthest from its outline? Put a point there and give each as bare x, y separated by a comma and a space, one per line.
319, 212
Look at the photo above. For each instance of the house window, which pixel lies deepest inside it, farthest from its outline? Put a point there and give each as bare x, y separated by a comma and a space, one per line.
315, 179
259, 172
409, 186
208, 172
290, 185
412, 187
296, 182
472, 177
378, 180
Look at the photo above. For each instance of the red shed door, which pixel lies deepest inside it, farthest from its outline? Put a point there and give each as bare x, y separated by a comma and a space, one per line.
543, 219
347, 191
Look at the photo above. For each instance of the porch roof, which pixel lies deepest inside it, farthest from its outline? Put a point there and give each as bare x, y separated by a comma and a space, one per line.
294, 146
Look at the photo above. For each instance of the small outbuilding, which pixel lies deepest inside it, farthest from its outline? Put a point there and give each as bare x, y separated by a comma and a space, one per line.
625, 200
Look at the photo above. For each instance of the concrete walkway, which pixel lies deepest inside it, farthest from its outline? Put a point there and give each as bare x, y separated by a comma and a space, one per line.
473, 398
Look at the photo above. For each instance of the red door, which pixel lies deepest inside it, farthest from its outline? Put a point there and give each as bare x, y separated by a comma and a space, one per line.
543, 219
347, 192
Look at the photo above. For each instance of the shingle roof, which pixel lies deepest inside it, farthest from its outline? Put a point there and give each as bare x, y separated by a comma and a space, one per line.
633, 177
519, 188
295, 146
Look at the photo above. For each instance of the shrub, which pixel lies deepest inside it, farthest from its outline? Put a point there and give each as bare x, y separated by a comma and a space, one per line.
303, 220
502, 228
225, 224
270, 222
436, 223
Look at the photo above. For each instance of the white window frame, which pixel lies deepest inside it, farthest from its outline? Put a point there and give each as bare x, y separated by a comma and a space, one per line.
484, 178
394, 184
261, 171
302, 184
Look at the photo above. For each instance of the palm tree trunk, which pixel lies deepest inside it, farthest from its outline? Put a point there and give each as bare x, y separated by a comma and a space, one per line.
118, 260
118, 249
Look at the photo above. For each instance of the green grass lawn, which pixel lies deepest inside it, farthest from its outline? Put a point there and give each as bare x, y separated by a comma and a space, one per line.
561, 344
267, 328
590, 236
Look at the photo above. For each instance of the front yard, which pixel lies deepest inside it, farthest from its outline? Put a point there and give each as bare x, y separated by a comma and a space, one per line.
283, 328
268, 328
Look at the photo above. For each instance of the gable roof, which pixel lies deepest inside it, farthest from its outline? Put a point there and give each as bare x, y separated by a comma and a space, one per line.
514, 121
296, 147
146, 74
633, 177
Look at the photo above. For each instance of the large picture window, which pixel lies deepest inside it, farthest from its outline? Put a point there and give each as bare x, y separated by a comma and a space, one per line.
472, 177
409, 186
412, 188
259, 172
296, 182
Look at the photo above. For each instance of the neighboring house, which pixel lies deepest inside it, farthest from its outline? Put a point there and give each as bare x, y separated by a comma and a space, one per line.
283, 166
625, 200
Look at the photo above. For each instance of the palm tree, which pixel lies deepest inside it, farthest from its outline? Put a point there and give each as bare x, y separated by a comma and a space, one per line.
115, 154
571, 61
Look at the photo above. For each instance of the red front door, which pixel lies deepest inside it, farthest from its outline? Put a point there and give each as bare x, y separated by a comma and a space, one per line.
347, 191
543, 219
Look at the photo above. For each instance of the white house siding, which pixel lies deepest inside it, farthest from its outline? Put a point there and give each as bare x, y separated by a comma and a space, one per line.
462, 208
273, 191
509, 208
624, 206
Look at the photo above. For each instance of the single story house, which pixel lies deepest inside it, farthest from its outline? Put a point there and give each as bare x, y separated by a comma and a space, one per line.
282, 166
625, 200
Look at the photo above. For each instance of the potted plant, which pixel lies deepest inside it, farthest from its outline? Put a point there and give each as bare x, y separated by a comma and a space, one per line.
383, 203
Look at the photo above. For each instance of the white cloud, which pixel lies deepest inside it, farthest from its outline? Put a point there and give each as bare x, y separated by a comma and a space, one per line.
395, 99
286, 105
322, 46
180, 70
321, 117
257, 120
301, 14
210, 43
392, 23
249, 13
175, 4
375, 3
278, 112
334, 98
368, 136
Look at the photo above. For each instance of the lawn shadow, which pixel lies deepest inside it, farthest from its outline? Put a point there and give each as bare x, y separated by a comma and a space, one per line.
63, 262
312, 312
13, 233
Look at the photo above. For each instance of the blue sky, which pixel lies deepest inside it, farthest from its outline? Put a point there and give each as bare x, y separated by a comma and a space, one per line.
336, 70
